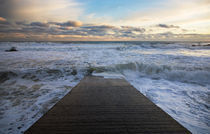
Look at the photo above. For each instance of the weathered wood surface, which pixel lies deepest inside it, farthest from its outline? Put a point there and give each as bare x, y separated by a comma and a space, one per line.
108, 106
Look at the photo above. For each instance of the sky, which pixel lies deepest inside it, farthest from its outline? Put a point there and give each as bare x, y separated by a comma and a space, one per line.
104, 20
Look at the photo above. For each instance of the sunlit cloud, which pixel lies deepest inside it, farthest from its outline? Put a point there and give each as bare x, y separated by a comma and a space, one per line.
40, 10
2, 19
68, 24
77, 31
75, 19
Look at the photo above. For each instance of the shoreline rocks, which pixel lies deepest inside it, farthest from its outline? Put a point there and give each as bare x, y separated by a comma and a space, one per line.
12, 49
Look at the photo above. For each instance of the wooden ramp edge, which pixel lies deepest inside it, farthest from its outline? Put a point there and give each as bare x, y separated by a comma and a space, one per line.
105, 106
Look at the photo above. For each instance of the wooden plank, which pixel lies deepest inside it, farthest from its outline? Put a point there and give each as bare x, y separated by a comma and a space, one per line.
99, 105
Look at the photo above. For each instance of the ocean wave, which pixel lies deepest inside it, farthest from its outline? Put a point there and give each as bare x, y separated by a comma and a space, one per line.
4, 76
27, 94
154, 71
46, 74
174, 75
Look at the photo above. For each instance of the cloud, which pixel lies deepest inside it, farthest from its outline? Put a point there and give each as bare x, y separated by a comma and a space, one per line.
4, 23
109, 30
99, 27
39, 24
134, 29
98, 30
167, 26
186, 14
2, 19
40, 10
68, 24
74, 30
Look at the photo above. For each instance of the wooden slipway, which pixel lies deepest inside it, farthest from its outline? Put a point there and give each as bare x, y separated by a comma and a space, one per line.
105, 106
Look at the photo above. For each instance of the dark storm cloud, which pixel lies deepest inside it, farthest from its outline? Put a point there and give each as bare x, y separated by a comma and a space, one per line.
132, 32
24, 27
22, 23
35, 24
98, 30
6, 8
87, 30
167, 26
2, 1
39, 24
73, 28
136, 29
38, 29
102, 27
4, 23
106, 30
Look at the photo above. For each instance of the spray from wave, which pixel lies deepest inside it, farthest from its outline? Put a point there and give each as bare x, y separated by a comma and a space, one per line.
167, 72
175, 76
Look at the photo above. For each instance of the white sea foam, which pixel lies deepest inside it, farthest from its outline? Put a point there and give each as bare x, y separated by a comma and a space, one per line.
175, 76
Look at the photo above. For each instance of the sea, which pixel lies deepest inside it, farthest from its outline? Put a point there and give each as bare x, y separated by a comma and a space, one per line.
173, 75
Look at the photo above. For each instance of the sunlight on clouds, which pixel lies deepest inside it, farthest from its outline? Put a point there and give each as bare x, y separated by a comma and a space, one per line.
2, 19
43, 10
69, 20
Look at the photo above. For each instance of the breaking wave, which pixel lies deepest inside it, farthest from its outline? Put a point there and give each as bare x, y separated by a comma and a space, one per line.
175, 76
182, 74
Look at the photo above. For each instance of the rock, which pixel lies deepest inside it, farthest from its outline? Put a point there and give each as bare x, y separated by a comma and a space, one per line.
90, 71
12, 49
201, 45
207, 45
74, 72
19, 127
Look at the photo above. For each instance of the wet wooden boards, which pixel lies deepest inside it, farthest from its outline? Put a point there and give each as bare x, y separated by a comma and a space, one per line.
105, 106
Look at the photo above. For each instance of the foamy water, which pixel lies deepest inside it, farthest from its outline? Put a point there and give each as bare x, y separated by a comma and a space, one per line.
175, 76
